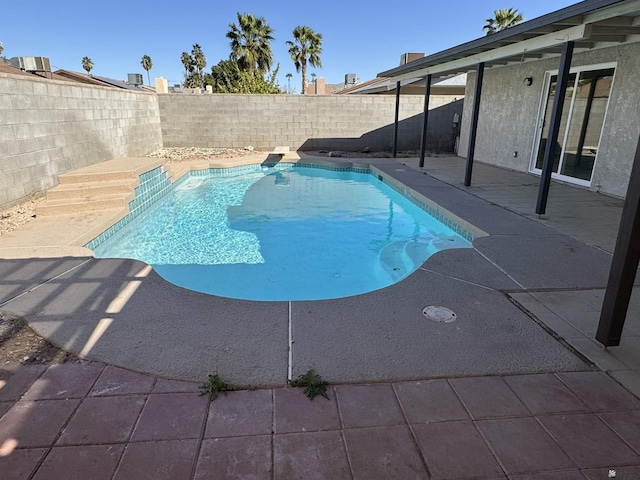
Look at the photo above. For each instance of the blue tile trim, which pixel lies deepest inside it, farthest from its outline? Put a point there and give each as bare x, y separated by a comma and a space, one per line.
442, 218
154, 184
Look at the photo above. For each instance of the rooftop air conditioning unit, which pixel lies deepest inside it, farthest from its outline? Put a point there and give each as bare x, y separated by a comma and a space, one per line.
350, 79
31, 64
135, 79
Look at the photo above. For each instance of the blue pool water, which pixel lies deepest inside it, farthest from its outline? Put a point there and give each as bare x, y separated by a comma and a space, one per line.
283, 233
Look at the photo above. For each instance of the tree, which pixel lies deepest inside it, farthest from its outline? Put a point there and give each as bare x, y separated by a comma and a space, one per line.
306, 47
194, 64
250, 43
185, 58
289, 75
87, 64
502, 19
147, 65
199, 61
228, 77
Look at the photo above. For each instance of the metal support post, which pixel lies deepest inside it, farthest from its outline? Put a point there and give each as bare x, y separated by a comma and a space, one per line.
425, 120
554, 127
474, 123
624, 264
395, 124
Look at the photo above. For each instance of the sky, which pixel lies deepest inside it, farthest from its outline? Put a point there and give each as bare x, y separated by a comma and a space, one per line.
359, 36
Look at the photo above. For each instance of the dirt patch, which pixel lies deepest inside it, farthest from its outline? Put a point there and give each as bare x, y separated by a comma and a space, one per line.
21, 345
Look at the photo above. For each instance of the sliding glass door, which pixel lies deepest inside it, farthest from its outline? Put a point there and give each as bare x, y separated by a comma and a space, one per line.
585, 105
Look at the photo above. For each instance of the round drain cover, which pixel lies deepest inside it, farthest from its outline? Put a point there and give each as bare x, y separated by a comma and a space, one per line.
439, 314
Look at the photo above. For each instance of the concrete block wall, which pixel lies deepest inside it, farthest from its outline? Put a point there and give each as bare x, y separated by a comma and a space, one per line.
50, 127
338, 122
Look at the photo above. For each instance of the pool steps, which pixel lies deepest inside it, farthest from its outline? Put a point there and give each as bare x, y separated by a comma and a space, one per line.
90, 189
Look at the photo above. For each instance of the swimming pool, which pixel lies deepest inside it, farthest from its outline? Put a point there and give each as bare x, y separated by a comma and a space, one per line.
284, 232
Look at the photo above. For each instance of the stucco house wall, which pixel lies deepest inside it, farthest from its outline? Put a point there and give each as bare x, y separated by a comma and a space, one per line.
509, 113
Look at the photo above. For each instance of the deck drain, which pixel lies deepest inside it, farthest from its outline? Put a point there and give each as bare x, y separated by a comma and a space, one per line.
439, 314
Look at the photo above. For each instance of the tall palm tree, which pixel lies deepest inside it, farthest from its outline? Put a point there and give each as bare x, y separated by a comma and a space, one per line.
306, 47
250, 43
147, 65
185, 58
199, 60
502, 19
288, 75
87, 64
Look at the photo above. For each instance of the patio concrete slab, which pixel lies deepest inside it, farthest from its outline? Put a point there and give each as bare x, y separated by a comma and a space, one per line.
547, 261
18, 276
122, 312
384, 335
495, 220
570, 210
470, 266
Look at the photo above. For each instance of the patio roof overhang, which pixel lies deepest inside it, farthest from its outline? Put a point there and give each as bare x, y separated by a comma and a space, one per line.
591, 24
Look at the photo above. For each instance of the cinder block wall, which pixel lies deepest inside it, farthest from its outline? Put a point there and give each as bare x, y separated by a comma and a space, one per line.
339, 122
50, 127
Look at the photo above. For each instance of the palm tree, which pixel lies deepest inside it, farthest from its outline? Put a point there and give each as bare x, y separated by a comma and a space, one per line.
502, 19
87, 64
199, 60
147, 65
250, 43
288, 75
306, 48
185, 58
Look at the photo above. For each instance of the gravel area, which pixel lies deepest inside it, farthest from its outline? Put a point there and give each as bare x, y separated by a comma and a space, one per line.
13, 217
179, 154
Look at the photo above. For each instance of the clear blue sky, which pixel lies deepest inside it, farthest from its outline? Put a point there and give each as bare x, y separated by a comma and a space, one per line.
360, 36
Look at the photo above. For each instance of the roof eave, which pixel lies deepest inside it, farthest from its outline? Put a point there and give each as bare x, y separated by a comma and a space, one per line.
484, 43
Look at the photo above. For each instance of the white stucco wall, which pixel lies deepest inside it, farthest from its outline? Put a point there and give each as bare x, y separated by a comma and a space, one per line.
509, 111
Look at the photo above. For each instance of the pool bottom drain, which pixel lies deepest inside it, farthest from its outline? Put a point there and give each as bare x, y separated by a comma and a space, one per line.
439, 314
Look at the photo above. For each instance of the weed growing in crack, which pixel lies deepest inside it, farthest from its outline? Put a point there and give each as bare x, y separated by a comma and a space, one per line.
215, 385
312, 383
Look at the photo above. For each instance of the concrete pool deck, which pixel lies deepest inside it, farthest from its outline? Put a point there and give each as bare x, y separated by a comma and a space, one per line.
413, 397
122, 313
